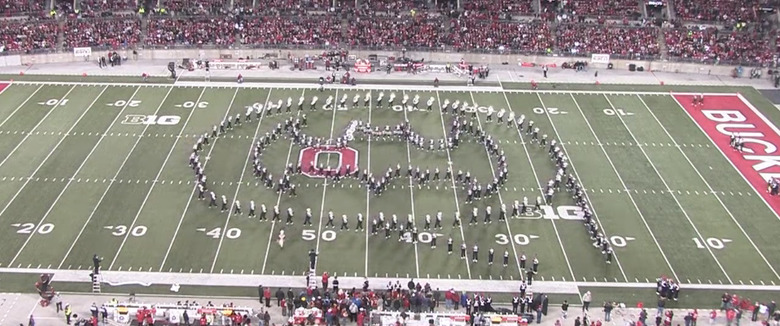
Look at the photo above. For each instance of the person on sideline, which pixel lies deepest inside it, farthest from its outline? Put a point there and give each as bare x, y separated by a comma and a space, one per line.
586, 298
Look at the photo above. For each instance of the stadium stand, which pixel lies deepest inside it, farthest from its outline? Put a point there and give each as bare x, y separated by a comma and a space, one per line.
28, 37
717, 10
274, 31
380, 33
197, 7
604, 8
737, 32
478, 34
623, 41
506, 6
99, 6
102, 33
712, 46
20, 7
192, 31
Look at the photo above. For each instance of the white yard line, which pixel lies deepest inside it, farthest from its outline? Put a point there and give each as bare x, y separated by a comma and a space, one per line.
156, 180
710, 187
8, 85
70, 180
501, 199
194, 188
411, 197
20, 105
695, 229
455, 190
113, 179
279, 197
538, 185
367, 218
622, 183
231, 208
53, 107
325, 181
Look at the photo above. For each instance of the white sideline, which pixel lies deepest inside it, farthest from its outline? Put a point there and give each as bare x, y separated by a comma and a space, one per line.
244, 280
478, 89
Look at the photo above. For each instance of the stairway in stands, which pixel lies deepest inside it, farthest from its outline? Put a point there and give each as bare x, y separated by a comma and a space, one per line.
662, 48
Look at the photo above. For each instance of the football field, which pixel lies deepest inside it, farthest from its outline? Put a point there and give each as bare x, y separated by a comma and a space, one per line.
103, 169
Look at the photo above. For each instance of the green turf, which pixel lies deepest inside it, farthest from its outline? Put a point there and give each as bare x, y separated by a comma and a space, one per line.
130, 196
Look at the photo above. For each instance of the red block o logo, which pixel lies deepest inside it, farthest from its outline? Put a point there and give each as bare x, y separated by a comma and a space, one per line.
309, 155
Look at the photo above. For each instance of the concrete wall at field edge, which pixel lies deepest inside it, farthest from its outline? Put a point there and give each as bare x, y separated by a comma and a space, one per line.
440, 57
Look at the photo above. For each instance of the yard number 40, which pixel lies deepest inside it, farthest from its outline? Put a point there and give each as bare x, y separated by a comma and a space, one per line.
713, 243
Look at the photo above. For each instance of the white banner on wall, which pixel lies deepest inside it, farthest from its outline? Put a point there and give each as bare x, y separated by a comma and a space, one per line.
10, 60
599, 58
82, 52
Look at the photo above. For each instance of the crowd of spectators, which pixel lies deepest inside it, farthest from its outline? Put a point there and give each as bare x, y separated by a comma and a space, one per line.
477, 34
387, 32
717, 10
496, 6
16, 7
633, 42
735, 308
27, 37
105, 33
391, 6
270, 31
197, 7
603, 8
281, 7
216, 30
711, 45
63, 6
484, 25
99, 6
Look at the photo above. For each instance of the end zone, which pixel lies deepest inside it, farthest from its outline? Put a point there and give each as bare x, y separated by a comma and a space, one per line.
731, 114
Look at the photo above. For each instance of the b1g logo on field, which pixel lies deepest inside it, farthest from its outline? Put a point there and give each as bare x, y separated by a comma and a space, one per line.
563, 212
139, 119
312, 158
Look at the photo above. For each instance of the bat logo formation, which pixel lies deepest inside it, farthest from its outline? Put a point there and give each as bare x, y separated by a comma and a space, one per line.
464, 125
